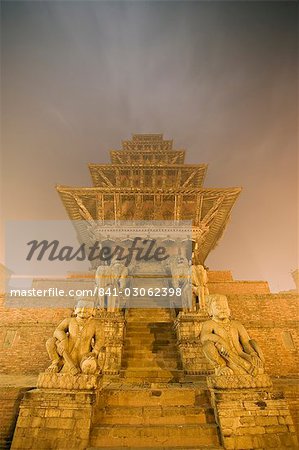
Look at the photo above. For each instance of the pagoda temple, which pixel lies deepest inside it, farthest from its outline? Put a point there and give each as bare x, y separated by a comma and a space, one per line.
149, 181
161, 374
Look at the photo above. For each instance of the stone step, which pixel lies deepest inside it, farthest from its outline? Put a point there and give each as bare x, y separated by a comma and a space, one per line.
151, 346
150, 349
146, 353
148, 331
135, 332
151, 357
149, 313
148, 304
154, 435
155, 415
171, 341
151, 352
186, 447
149, 326
142, 397
150, 338
153, 364
146, 319
152, 375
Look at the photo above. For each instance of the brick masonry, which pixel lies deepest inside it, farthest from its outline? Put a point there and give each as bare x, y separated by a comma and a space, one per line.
269, 318
60, 420
254, 419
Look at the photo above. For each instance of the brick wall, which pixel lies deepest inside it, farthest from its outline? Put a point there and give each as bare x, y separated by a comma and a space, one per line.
290, 390
269, 318
220, 275
10, 398
271, 321
23, 333
238, 287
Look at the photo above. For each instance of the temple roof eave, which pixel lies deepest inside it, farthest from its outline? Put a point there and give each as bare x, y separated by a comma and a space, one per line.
111, 175
226, 196
95, 189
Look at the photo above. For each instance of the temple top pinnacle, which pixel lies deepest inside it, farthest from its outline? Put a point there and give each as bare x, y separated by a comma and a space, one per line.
147, 142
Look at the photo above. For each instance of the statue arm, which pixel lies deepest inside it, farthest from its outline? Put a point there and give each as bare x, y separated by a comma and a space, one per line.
257, 349
99, 340
61, 330
244, 339
207, 335
250, 347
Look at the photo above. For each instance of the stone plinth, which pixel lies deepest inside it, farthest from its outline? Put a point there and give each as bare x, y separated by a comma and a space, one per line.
188, 327
251, 417
239, 382
48, 380
56, 419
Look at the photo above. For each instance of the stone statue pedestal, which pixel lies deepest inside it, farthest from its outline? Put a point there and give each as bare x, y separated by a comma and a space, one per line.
67, 381
188, 326
56, 418
250, 415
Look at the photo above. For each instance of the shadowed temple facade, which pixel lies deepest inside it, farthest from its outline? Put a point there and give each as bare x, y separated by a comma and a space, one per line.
167, 353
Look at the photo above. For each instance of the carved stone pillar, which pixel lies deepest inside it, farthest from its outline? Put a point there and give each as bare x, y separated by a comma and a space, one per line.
188, 327
113, 324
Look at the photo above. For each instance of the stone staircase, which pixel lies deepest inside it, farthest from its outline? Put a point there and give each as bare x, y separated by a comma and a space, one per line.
150, 352
151, 405
167, 416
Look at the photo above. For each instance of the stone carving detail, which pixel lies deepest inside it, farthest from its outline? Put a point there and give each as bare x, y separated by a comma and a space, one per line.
236, 358
199, 287
181, 276
113, 324
48, 380
239, 381
192, 281
188, 327
77, 343
111, 279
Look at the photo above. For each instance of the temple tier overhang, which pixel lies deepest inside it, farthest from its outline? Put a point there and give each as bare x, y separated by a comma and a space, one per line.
149, 181
208, 209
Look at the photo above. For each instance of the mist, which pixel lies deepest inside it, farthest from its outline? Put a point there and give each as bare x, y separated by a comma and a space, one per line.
219, 78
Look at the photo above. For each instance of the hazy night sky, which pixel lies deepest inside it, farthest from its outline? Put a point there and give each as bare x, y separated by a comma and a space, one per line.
219, 78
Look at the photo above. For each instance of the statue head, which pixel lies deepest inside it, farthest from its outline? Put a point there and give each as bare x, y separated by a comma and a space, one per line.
218, 306
84, 308
182, 260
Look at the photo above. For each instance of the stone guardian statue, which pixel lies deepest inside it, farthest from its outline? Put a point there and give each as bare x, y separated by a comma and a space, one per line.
77, 345
226, 343
110, 282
